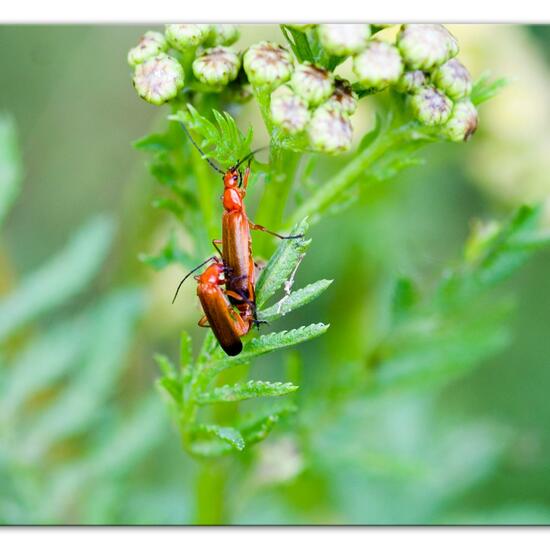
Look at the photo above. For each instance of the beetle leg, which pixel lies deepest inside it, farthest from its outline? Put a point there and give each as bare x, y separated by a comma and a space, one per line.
203, 322
265, 230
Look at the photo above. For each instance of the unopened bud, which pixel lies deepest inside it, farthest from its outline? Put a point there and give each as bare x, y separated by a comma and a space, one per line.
314, 84
343, 97
344, 39
463, 121
223, 35
288, 110
425, 46
431, 106
216, 66
267, 64
150, 44
186, 36
378, 66
411, 81
158, 79
453, 78
330, 130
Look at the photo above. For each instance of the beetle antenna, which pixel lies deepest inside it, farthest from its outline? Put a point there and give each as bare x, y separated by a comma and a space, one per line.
251, 154
189, 274
203, 154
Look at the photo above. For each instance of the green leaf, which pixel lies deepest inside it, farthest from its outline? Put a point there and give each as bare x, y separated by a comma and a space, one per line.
165, 365
60, 279
170, 254
154, 143
281, 264
186, 350
10, 164
299, 43
440, 351
295, 300
271, 342
172, 387
246, 390
229, 435
496, 257
405, 297
43, 362
223, 142
256, 427
484, 89
80, 403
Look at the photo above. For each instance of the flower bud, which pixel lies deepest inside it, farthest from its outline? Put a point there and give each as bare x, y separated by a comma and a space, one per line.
150, 44
330, 130
431, 106
314, 84
411, 81
344, 39
267, 64
158, 79
185, 36
343, 97
288, 110
463, 121
216, 66
223, 35
453, 78
425, 46
378, 66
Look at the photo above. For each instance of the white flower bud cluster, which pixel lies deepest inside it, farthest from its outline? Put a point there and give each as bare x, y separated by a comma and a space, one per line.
316, 104
204, 49
306, 98
439, 84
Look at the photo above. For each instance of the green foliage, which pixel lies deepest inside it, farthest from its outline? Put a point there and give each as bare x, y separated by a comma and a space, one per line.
485, 89
61, 278
245, 390
10, 164
442, 334
222, 140
191, 387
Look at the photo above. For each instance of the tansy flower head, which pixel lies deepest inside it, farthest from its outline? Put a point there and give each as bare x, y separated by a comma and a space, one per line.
378, 66
288, 110
344, 39
150, 44
314, 84
425, 46
431, 106
330, 130
158, 79
216, 66
267, 64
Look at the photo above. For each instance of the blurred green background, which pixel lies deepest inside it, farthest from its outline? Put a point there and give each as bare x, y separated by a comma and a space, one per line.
84, 436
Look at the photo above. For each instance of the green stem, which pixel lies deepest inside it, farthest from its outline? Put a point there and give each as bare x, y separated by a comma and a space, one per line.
283, 165
210, 493
331, 192
206, 195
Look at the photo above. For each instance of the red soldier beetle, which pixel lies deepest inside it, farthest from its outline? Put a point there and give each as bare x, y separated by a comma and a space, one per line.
226, 322
236, 240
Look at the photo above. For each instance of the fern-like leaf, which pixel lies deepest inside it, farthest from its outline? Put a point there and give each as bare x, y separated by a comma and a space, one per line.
281, 264
246, 390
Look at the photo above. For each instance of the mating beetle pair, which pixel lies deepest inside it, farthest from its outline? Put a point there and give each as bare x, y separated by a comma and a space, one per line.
230, 312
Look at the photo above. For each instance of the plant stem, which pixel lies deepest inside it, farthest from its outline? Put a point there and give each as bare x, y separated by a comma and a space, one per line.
206, 193
331, 192
283, 166
210, 493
